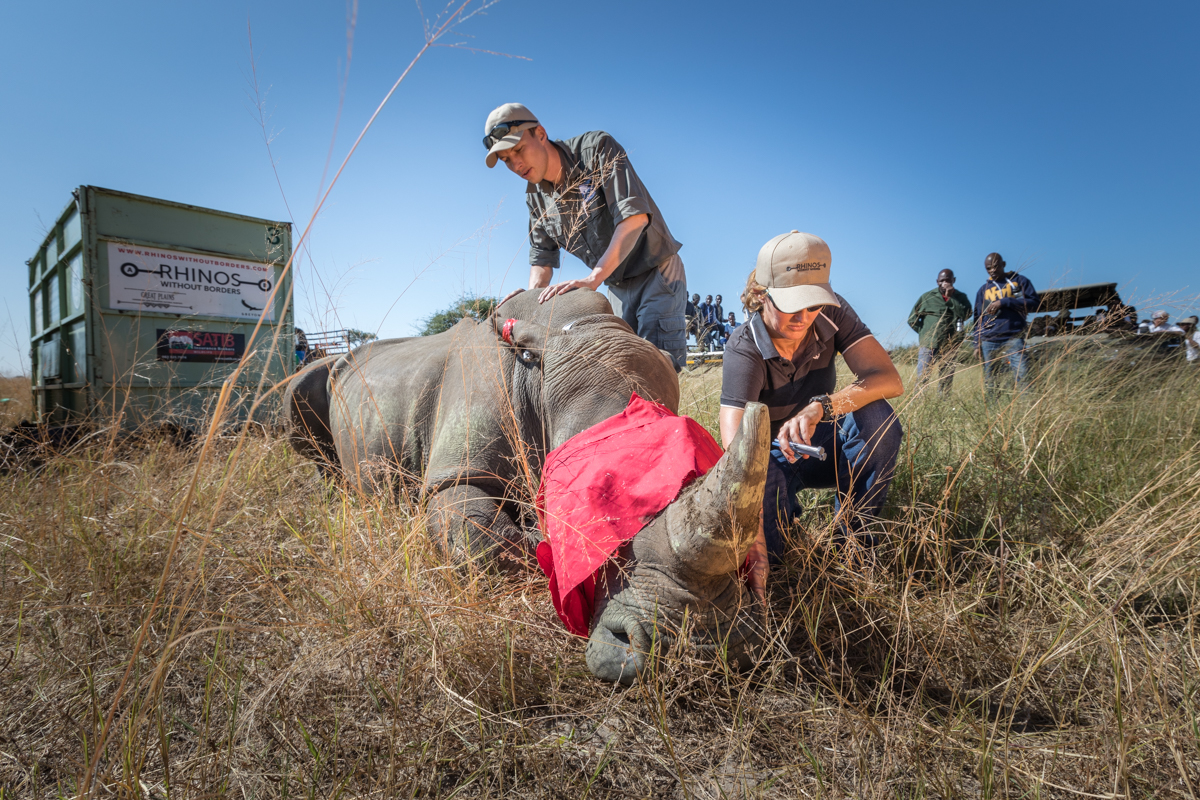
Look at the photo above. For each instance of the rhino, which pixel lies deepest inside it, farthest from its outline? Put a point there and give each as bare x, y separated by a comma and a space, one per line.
465, 419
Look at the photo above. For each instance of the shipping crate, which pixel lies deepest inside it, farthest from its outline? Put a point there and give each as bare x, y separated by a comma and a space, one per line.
140, 309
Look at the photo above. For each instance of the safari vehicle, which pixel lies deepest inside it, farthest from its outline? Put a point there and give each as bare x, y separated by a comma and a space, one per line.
1108, 330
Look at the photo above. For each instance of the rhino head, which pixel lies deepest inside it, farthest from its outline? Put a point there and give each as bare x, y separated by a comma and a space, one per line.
579, 365
575, 364
685, 562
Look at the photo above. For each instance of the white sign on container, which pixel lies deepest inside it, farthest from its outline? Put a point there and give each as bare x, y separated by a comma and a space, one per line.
192, 284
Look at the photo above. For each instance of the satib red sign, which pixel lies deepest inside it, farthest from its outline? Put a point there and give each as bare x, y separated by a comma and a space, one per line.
202, 346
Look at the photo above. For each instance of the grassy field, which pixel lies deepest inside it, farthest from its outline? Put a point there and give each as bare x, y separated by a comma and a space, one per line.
1029, 631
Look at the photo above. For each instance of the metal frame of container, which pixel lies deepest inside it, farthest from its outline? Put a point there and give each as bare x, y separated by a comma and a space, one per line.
95, 360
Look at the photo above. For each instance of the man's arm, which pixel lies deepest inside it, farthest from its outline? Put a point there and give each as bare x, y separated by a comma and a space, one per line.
539, 276
1028, 299
962, 307
978, 318
544, 254
624, 237
914, 319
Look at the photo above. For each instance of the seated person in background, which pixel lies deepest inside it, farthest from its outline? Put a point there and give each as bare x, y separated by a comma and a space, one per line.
1160, 323
1188, 324
784, 357
301, 346
1038, 326
727, 326
1126, 318
1064, 323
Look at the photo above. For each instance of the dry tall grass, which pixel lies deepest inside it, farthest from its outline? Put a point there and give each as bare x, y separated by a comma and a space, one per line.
16, 403
1028, 631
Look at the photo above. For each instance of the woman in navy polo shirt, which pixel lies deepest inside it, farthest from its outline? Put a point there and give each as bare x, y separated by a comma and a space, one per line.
783, 357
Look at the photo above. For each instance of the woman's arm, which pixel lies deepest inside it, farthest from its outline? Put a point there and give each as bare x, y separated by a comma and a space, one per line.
729, 419
875, 378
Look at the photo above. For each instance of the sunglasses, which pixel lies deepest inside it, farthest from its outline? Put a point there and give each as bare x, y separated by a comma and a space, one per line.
810, 309
504, 129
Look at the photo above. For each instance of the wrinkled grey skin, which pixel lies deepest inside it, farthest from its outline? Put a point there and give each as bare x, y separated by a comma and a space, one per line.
467, 418
687, 559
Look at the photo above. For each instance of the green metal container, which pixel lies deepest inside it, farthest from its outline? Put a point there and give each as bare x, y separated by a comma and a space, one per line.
140, 309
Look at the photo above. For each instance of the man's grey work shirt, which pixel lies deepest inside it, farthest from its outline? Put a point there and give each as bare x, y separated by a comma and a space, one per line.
752, 370
598, 191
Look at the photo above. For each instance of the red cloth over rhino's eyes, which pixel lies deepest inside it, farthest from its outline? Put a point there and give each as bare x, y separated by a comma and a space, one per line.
506, 331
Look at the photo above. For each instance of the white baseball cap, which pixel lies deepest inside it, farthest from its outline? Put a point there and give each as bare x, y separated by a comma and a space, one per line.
794, 268
517, 118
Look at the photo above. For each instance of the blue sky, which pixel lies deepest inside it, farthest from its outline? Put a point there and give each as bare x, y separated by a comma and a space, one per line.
912, 137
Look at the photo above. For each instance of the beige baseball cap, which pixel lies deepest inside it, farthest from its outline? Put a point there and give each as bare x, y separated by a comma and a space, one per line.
794, 268
510, 113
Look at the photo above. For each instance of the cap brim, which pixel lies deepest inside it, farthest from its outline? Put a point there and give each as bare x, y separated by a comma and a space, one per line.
507, 143
790, 299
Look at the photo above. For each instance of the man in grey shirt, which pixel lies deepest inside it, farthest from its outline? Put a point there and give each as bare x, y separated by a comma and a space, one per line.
584, 197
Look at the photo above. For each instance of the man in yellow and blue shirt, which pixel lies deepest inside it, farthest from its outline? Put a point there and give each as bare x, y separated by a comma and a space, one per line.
1001, 308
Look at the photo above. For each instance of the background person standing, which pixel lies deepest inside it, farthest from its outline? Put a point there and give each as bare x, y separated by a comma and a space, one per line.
585, 197
691, 313
709, 321
1001, 307
935, 318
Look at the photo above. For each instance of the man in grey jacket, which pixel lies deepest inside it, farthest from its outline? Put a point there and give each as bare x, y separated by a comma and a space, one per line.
585, 197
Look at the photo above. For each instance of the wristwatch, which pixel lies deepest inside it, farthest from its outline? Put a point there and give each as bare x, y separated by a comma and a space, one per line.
826, 406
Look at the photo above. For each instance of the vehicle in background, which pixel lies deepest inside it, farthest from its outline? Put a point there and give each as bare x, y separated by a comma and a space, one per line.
1108, 330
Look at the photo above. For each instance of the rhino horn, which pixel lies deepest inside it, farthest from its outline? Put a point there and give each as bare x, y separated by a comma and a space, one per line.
713, 527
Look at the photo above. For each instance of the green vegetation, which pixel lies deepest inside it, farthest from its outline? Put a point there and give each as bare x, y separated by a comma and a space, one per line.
355, 337
1029, 630
468, 305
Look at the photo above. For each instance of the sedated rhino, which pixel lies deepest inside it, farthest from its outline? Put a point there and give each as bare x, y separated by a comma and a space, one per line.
467, 417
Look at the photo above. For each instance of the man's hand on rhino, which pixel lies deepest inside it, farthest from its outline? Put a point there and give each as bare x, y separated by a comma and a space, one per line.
566, 286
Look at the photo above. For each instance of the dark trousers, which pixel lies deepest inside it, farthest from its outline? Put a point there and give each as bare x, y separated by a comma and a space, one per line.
860, 459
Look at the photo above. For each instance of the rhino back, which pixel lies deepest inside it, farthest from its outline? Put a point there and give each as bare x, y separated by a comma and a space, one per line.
427, 407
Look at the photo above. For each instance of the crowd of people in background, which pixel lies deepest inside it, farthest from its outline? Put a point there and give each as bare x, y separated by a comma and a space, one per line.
997, 325
709, 323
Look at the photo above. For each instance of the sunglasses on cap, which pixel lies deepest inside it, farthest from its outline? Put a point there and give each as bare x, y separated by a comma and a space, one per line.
504, 129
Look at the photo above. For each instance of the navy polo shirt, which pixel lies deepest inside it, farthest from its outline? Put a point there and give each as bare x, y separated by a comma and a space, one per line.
754, 371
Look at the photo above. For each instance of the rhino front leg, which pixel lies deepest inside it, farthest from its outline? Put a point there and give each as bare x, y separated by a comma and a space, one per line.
470, 524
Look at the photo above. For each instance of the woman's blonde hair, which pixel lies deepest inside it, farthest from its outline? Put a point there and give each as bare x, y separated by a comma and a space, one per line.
754, 295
